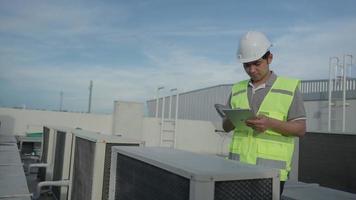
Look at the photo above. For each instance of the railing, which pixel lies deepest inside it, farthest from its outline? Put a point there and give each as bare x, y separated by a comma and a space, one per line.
319, 86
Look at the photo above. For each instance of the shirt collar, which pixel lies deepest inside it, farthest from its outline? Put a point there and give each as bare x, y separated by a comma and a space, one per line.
271, 79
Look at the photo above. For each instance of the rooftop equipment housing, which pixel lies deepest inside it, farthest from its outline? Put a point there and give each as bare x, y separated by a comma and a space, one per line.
160, 173
62, 160
48, 147
82, 164
57, 150
91, 162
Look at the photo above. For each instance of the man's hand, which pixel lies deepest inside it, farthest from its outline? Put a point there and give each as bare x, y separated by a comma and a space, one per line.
260, 123
289, 128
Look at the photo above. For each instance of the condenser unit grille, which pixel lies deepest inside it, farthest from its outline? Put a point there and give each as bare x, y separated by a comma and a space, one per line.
58, 161
137, 180
107, 166
83, 169
257, 189
42, 171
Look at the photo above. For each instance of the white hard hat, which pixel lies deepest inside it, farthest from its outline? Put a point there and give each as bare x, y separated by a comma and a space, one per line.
253, 45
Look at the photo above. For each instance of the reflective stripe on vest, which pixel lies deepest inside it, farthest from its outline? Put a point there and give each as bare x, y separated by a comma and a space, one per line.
239, 93
269, 148
234, 156
271, 163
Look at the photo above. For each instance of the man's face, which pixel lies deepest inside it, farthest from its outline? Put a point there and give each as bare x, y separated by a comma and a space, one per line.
259, 69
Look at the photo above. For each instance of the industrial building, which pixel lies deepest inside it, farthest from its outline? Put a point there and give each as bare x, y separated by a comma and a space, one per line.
199, 104
181, 149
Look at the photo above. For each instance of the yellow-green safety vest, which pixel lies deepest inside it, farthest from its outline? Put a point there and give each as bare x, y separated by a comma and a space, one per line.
269, 148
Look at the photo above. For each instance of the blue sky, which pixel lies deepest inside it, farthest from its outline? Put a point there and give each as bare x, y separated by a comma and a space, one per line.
129, 48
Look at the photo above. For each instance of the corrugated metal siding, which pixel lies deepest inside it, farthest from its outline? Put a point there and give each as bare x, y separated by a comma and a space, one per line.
199, 104
193, 105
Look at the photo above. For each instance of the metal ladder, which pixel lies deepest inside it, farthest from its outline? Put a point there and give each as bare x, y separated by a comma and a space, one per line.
168, 126
338, 85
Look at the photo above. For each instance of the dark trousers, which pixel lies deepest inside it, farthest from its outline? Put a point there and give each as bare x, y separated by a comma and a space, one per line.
281, 187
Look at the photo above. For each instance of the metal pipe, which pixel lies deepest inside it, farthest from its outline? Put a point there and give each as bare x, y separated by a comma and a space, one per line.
170, 102
330, 89
329, 99
36, 165
170, 106
162, 118
176, 120
177, 104
350, 71
11, 196
344, 94
344, 91
49, 183
90, 95
60, 100
157, 100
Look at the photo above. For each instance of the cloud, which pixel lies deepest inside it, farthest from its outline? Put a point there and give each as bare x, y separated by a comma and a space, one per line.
49, 47
301, 52
304, 51
173, 69
60, 17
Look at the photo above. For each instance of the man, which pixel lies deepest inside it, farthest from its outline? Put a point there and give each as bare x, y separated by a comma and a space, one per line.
268, 138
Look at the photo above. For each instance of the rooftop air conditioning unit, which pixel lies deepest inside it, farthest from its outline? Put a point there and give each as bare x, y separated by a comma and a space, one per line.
75, 174
157, 173
62, 162
91, 162
48, 146
57, 168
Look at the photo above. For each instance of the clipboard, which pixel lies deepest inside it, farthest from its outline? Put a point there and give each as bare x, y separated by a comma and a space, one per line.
238, 116
219, 108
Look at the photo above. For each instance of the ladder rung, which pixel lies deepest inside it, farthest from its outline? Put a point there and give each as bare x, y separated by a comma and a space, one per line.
165, 130
167, 140
169, 120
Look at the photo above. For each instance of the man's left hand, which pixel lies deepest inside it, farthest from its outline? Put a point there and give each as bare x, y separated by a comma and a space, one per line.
260, 123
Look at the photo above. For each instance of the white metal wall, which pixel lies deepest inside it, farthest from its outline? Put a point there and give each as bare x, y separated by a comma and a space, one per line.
194, 105
127, 119
20, 121
317, 116
199, 104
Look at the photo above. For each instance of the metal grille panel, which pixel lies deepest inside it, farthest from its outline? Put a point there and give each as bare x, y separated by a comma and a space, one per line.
42, 171
137, 180
58, 161
107, 166
83, 169
256, 189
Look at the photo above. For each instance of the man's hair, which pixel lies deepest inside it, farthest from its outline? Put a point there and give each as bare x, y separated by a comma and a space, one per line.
265, 56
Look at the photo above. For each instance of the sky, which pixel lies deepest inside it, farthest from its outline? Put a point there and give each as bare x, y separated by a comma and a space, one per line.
130, 48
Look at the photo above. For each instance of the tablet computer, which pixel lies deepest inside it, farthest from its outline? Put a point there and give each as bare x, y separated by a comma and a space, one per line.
238, 116
219, 108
